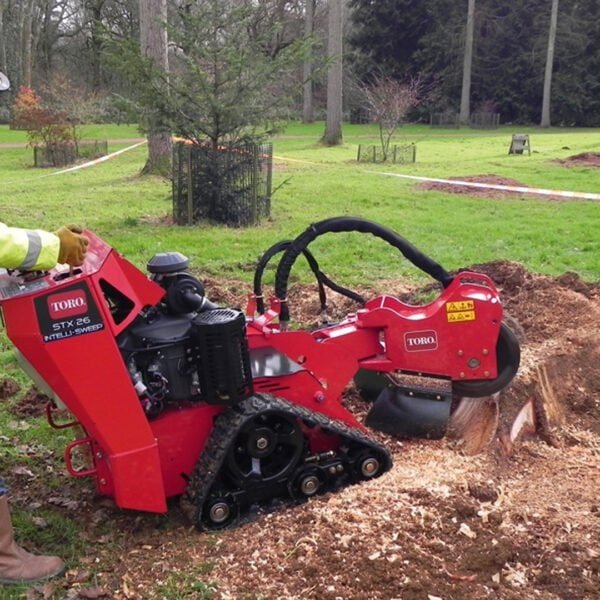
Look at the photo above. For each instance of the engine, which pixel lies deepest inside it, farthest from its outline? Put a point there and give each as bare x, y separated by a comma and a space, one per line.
186, 349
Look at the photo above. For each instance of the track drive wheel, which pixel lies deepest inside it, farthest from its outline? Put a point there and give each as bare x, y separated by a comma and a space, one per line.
267, 448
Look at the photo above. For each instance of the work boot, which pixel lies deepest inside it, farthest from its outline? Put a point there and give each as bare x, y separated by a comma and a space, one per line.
18, 566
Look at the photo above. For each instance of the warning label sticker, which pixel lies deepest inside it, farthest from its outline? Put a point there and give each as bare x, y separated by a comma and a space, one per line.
460, 306
458, 317
458, 312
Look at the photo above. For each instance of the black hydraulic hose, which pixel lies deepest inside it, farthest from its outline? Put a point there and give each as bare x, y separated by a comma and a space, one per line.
264, 260
322, 279
350, 224
341, 290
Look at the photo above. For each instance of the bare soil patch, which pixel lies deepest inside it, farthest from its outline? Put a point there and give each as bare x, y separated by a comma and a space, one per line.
33, 404
481, 192
8, 387
440, 524
585, 159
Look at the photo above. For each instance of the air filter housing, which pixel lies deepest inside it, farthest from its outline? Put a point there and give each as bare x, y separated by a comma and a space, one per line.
166, 263
223, 358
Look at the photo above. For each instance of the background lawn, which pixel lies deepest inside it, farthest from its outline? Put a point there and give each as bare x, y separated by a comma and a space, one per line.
315, 182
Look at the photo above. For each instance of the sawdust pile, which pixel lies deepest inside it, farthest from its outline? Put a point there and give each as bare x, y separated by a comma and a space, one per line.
440, 525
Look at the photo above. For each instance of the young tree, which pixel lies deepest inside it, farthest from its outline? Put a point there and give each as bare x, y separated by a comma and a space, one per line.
45, 127
465, 96
153, 42
389, 101
333, 126
545, 121
77, 105
227, 82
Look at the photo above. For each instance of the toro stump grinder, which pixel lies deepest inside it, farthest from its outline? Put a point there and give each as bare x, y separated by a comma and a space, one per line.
230, 411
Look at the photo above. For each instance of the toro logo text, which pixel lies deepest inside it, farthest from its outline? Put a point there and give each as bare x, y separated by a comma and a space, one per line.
67, 304
417, 341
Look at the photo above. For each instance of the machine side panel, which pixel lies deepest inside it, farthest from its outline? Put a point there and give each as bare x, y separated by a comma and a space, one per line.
181, 436
64, 333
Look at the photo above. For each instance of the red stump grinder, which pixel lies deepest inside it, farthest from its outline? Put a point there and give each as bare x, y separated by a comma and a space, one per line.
231, 411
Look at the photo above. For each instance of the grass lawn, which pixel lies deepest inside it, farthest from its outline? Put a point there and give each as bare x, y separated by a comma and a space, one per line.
316, 182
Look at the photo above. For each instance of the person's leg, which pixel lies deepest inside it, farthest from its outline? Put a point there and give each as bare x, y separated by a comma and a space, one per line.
17, 565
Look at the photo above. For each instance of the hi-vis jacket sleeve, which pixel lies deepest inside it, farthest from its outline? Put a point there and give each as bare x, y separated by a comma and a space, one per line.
27, 249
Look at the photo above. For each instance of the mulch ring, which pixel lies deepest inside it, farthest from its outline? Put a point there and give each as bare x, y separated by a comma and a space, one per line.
585, 159
482, 192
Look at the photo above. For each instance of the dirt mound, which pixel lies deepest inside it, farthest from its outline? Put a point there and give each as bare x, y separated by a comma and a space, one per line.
482, 192
585, 159
544, 306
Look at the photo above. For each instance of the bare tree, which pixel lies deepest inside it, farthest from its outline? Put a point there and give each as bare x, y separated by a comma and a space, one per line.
93, 13
465, 96
76, 104
545, 122
389, 101
333, 127
153, 42
307, 108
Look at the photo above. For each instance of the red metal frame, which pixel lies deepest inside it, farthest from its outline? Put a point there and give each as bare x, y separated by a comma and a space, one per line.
142, 463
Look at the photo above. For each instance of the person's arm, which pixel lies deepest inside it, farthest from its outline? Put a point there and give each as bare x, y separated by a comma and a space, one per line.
28, 249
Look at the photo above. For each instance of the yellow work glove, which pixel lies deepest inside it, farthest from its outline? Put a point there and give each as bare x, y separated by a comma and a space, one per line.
73, 245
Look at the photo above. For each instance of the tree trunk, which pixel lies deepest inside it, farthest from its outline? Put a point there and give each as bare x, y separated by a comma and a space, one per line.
3, 65
96, 44
46, 46
307, 108
333, 128
26, 44
545, 122
153, 42
465, 96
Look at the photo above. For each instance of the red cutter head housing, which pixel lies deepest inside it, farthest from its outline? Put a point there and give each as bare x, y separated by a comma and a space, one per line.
180, 397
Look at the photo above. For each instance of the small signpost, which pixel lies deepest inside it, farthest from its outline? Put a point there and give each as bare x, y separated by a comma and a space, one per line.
520, 143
